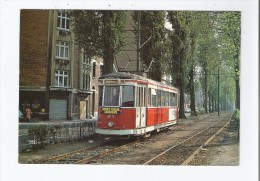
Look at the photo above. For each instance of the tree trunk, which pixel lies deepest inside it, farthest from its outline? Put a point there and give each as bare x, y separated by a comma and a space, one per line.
237, 93
108, 45
212, 101
182, 101
215, 102
210, 106
206, 91
108, 62
192, 93
182, 85
237, 86
236, 67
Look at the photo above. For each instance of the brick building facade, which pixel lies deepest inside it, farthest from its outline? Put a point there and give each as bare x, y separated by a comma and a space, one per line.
57, 78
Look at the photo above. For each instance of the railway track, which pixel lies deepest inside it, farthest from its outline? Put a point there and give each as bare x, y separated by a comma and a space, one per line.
89, 155
187, 141
184, 151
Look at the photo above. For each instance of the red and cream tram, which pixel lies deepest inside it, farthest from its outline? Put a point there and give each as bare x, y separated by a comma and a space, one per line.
132, 105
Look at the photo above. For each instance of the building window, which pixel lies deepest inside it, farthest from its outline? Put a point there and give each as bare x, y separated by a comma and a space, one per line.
61, 78
85, 81
94, 69
85, 58
101, 69
86, 68
62, 50
63, 21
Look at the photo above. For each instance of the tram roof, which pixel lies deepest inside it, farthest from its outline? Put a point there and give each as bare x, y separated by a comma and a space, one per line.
126, 75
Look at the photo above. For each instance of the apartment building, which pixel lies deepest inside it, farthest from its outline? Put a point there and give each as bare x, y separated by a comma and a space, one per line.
57, 78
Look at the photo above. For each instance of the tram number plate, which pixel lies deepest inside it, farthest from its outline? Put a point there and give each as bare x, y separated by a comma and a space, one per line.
110, 110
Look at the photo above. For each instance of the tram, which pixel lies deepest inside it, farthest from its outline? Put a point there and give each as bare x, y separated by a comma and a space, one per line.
133, 105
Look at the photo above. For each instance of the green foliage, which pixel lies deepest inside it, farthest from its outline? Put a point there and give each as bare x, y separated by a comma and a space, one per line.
230, 35
236, 115
99, 33
199, 45
180, 43
86, 26
154, 40
202, 43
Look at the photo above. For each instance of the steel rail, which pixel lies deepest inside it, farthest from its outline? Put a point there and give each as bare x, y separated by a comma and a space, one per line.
69, 154
149, 161
65, 155
105, 153
190, 158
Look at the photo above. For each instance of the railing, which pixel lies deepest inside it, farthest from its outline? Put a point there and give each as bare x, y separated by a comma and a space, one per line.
40, 135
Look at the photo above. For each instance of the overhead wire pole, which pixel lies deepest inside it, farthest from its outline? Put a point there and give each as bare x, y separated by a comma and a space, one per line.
138, 42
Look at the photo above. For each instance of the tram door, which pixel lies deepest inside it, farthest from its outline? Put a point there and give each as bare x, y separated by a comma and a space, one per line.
140, 107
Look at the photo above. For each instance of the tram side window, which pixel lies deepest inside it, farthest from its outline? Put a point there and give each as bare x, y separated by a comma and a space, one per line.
137, 97
141, 96
153, 95
174, 99
171, 99
163, 98
100, 95
167, 99
144, 99
149, 98
111, 97
159, 102
128, 96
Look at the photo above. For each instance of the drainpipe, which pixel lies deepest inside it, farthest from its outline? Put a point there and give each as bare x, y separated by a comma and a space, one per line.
49, 60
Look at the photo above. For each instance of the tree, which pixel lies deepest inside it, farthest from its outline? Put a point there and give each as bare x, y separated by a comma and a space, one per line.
195, 28
203, 44
99, 33
153, 40
229, 26
217, 51
179, 22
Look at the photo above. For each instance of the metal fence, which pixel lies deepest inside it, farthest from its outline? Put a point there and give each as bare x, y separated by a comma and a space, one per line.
40, 135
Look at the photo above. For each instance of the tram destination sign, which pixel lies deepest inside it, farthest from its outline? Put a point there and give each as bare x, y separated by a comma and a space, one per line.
110, 110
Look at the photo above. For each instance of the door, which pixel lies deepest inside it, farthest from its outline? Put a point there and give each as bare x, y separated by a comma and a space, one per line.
141, 107
58, 109
83, 109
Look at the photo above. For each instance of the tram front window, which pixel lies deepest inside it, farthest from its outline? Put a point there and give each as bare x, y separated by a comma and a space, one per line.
128, 96
111, 97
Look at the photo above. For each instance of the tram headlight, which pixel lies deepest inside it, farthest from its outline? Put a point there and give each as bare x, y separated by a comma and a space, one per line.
110, 124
